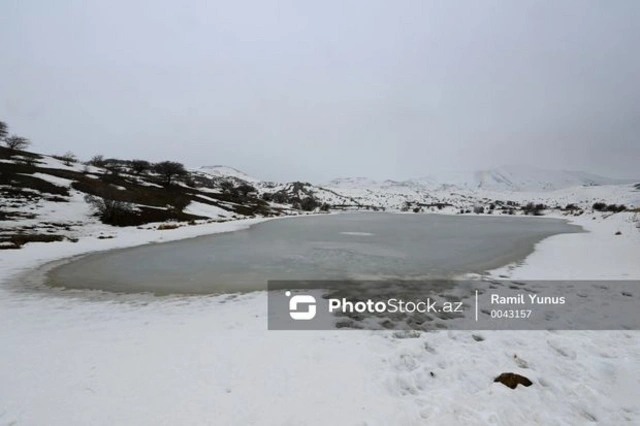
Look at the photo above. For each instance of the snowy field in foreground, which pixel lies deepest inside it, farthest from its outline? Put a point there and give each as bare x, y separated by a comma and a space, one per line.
69, 360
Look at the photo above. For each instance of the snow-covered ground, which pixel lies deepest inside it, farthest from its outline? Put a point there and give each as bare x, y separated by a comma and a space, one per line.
75, 358
392, 195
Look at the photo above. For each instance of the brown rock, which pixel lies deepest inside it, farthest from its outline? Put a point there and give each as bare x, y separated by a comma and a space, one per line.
512, 380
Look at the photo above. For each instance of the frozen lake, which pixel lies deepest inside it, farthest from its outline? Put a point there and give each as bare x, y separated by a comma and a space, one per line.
347, 246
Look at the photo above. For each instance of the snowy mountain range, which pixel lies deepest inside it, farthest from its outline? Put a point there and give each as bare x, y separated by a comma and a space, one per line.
457, 190
507, 178
501, 179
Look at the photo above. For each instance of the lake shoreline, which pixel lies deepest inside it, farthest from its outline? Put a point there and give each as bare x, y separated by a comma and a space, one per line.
524, 247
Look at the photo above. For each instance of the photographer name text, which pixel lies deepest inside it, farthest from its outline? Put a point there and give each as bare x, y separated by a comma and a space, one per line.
526, 299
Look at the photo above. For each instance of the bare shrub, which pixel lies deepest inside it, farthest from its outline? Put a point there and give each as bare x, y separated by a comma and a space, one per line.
97, 161
108, 210
68, 158
17, 143
534, 209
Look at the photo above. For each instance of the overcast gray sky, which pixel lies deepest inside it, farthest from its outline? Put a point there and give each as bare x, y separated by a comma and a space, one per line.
319, 89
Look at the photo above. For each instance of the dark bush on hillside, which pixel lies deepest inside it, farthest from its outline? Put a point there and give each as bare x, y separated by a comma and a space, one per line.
533, 209
602, 207
179, 204
615, 208
109, 210
116, 166
139, 167
246, 189
278, 197
96, 161
309, 204
478, 209
228, 187
169, 171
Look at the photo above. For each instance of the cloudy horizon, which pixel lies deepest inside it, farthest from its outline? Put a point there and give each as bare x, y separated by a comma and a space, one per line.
315, 91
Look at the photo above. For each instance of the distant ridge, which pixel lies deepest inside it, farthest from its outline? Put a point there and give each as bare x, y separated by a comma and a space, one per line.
220, 171
501, 179
506, 178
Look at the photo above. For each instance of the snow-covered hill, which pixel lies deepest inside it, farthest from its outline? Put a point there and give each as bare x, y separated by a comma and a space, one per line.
502, 179
507, 178
220, 171
352, 182
455, 191
518, 178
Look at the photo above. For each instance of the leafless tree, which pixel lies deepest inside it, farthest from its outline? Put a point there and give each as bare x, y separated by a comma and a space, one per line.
68, 158
16, 143
4, 130
97, 161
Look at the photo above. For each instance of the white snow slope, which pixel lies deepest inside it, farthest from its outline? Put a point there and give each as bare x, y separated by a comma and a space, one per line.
225, 172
